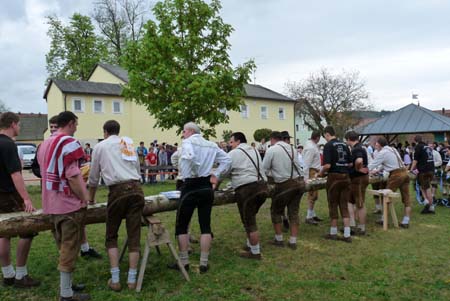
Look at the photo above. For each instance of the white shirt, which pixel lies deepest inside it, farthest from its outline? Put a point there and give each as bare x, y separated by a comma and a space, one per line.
387, 159
243, 171
278, 164
107, 158
437, 158
198, 156
311, 157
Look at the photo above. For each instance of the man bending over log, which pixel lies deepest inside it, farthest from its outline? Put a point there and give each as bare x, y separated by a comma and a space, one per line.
13, 197
64, 196
118, 163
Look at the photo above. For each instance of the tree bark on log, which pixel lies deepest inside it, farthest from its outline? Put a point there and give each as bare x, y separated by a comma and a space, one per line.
13, 224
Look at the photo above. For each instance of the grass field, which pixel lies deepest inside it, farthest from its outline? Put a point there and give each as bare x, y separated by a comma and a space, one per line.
398, 264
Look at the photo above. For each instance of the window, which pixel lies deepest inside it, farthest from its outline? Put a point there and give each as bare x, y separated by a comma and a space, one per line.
281, 113
244, 111
117, 107
98, 106
78, 105
264, 112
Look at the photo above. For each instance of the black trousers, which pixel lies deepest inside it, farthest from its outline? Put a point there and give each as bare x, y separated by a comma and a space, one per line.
195, 193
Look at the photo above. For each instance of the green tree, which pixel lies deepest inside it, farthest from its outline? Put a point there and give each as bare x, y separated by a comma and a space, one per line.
181, 70
259, 134
74, 49
226, 135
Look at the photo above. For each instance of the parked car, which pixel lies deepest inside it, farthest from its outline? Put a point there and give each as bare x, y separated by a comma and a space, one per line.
27, 152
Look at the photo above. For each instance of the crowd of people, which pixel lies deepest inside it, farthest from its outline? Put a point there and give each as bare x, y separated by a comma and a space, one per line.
201, 165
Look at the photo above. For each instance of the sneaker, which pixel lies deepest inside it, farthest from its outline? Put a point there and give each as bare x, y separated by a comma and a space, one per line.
317, 219
345, 239
277, 243
91, 253
311, 221
114, 286
8, 281
204, 269
330, 236
250, 255
174, 266
404, 226
292, 246
76, 297
26, 282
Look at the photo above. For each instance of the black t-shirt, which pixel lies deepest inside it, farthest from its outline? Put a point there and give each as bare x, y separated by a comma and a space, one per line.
337, 154
9, 163
358, 152
445, 156
423, 154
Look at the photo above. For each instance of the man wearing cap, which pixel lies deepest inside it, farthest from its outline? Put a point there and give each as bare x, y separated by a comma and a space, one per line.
311, 157
250, 189
337, 161
424, 162
281, 162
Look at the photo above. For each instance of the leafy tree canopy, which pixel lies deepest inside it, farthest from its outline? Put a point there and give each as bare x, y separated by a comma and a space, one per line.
181, 70
259, 134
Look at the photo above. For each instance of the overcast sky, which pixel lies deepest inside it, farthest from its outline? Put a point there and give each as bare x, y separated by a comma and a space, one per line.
399, 47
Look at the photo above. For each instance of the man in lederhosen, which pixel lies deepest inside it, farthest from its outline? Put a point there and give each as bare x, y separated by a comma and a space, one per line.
388, 159
424, 162
359, 176
118, 163
250, 189
281, 162
197, 158
337, 161
311, 157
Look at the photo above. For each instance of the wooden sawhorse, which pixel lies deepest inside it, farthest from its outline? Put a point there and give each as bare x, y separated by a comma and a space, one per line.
388, 205
157, 235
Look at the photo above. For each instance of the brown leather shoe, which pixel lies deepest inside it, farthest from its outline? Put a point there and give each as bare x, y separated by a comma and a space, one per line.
404, 226
277, 243
292, 246
330, 236
250, 255
26, 282
345, 239
311, 221
8, 281
131, 286
114, 286
77, 297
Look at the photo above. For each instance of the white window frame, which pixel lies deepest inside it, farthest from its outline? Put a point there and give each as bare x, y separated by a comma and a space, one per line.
120, 106
93, 106
261, 112
82, 105
245, 112
283, 109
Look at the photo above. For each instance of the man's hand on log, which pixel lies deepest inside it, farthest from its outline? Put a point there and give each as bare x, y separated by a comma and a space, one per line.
29, 206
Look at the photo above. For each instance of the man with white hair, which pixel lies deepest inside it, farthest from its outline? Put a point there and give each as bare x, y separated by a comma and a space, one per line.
197, 158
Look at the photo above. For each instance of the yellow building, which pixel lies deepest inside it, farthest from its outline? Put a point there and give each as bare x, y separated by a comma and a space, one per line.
99, 99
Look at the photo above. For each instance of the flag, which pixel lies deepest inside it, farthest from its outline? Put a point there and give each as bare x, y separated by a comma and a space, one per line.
415, 96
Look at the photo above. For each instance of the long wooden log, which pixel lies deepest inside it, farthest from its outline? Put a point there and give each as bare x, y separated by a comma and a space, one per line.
12, 224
